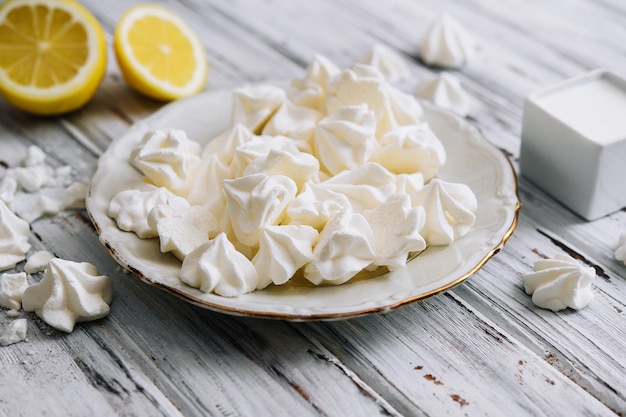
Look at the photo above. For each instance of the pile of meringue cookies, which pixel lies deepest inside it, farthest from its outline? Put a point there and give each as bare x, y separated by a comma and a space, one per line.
330, 176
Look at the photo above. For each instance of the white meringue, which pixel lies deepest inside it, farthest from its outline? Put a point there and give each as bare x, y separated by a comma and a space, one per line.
12, 287
254, 105
282, 251
38, 262
8, 188
396, 227
446, 92
168, 159
216, 266
450, 211
366, 187
34, 177
15, 332
295, 122
299, 166
310, 91
446, 43
224, 145
344, 248
130, 209
258, 147
409, 183
389, 62
345, 139
69, 292
315, 205
620, 252
72, 197
207, 183
34, 156
181, 227
560, 283
13, 238
411, 149
256, 201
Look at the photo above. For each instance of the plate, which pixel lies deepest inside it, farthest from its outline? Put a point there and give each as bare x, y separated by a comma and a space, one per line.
470, 160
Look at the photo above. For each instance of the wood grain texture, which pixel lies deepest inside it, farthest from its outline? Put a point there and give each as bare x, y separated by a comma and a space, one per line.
480, 349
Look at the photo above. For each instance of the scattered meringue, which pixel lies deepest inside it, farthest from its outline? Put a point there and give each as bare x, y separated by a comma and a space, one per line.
560, 283
446, 92
72, 197
446, 43
15, 332
389, 62
12, 287
34, 156
69, 292
620, 252
13, 238
38, 262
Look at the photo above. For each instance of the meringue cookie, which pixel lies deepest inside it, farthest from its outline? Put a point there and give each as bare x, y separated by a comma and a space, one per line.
15, 332
295, 122
446, 43
345, 139
560, 283
450, 211
344, 248
130, 209
446, 92
216, 266
69, 292
389, 62
409, 183
224, 145
366, 187
168, 159
256, 201
181, 227
310, 91
299, 166
315, 205
13, 238
396, 227
620, 252
207, 183
411, 149
258, 147
254, 105
282, 251
38, 262
12, 287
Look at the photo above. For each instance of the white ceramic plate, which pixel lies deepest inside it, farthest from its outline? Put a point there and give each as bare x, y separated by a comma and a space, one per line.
471, 160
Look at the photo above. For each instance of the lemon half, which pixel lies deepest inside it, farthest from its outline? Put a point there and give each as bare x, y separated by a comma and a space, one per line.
52, 55
159, 55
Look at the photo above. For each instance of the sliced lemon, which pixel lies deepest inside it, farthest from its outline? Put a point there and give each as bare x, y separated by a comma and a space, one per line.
52, 55
159, 55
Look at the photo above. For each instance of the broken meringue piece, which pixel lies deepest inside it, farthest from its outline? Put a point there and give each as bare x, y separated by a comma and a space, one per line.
446, 43
216, 266
560, 283
13, 238
12, 287
38, 262
15, 332
69, 292
446, 92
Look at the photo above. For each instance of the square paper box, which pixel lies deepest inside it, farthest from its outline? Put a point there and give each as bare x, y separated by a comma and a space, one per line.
574, 142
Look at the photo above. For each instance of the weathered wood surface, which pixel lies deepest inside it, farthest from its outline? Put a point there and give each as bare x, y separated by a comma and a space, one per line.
479, 349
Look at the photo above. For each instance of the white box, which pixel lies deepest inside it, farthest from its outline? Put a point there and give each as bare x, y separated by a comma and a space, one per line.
574, 142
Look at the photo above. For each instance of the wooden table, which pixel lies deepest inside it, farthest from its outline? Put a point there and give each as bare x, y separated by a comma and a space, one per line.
481, 348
